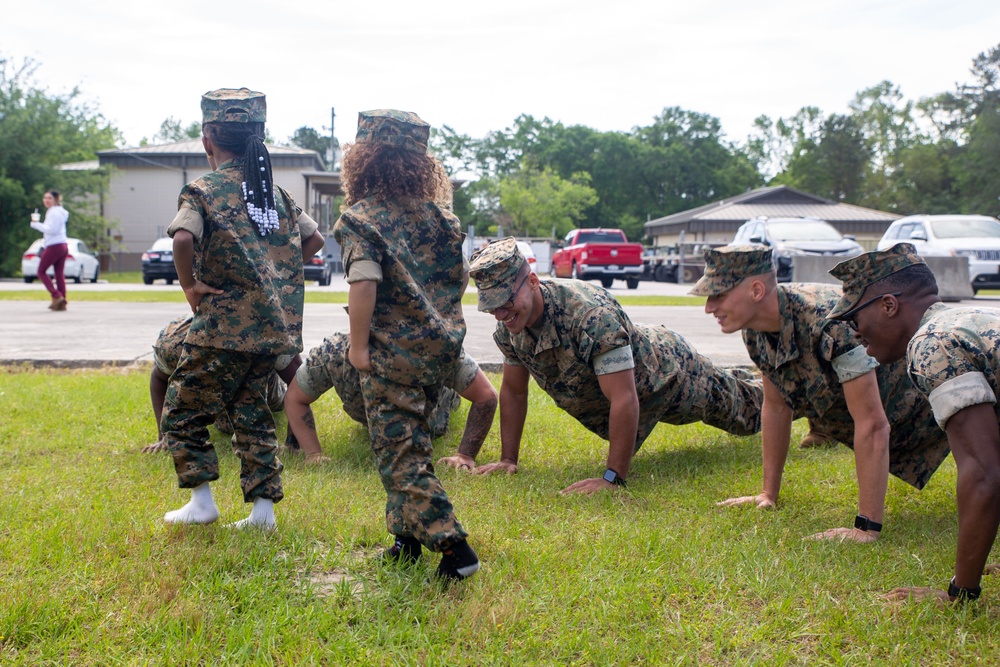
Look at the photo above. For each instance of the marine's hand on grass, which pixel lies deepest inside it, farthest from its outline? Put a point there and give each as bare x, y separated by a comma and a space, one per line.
589, 486
499, 466
845, 535
916, 594
158, 446
458, 462
761, 500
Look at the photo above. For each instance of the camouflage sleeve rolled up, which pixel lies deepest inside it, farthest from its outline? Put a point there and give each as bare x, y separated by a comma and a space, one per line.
853, 364
307, 226
601, 331
464, 372
355, 244
954, 358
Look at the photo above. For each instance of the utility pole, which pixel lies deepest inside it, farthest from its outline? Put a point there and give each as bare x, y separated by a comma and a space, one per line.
333, 139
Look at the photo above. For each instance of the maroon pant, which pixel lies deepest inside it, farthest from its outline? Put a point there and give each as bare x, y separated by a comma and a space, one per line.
54, 256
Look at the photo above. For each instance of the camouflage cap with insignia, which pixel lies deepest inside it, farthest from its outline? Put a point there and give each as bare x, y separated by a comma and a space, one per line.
401, 129
859, 272
233, 105
495, 269
725, 267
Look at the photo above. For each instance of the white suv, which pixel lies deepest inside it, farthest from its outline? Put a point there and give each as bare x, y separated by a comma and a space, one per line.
974, 236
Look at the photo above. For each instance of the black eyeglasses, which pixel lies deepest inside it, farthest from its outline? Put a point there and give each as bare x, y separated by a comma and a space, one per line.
513, 295
853, 323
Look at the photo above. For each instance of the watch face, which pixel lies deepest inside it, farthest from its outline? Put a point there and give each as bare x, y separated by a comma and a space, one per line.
610, 476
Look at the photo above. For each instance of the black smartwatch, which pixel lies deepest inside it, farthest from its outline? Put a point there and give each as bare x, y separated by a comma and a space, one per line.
963, 594
613, 477
861, 522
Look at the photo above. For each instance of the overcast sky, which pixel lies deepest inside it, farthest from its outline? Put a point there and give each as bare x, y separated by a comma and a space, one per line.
476, 66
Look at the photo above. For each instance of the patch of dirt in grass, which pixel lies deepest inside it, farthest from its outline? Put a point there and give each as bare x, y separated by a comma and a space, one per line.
335, 582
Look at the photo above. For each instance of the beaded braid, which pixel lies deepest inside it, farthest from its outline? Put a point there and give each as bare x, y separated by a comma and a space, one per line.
258, 181
258, 196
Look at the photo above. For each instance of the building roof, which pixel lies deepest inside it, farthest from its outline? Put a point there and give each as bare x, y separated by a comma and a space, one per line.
774, 202
191, 152
86, 165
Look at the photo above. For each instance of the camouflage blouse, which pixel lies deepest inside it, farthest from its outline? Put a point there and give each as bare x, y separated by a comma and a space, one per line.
417, 328
812, 356
260, 309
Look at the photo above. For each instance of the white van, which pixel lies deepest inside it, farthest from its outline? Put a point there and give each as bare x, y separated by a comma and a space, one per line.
974, 236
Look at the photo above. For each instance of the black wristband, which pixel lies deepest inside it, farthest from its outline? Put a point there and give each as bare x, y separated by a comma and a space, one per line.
861, 522
963, 594
614, 478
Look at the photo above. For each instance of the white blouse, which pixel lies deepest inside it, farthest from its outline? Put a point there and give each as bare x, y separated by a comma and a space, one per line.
53, 227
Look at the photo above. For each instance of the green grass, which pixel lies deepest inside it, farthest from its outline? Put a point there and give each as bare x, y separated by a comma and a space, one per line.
123, 277
159, 296
656, 574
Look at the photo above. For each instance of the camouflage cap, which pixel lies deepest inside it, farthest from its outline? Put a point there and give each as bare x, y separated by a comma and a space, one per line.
401, 129
859, 272
726, 267
495, 269
233, 105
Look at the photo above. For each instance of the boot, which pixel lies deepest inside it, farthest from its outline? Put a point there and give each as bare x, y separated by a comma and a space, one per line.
816, 437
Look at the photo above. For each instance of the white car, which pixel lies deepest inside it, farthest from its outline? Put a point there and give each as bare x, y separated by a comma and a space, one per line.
974, 236
80, 262
528, 253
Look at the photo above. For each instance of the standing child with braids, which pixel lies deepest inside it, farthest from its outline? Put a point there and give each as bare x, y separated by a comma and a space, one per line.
239, 244
403, 258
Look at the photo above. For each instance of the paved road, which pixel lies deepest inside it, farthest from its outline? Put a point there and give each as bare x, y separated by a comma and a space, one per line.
91, 333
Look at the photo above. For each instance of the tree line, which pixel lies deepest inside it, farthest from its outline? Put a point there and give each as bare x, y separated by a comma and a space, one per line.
541, 178
940, 154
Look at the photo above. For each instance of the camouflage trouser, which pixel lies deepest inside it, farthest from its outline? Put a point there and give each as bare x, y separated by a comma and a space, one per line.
447, 401
275, 402
729, 399
327, 368
206, 383
416, 503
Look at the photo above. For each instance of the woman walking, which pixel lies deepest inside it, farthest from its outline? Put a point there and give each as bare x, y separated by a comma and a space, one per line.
54, 240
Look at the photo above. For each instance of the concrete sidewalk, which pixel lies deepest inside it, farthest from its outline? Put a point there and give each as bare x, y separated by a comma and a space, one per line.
92, 333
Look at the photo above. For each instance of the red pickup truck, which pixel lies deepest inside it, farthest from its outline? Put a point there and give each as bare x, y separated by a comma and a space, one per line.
586, 254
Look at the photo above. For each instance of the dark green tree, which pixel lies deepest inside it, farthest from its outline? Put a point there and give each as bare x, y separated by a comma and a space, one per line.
39, 131
832, 163
978, 168
171, 131
310, 139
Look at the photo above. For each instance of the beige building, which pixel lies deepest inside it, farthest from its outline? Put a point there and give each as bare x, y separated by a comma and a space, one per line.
145, 181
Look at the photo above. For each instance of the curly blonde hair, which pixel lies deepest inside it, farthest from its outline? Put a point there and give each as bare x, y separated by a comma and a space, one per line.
388, 172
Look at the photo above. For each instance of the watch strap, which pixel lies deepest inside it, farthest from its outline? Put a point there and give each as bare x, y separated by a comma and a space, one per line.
861, 522
963, 594
613, 477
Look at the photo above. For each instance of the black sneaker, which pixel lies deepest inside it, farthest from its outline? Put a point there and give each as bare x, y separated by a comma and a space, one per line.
405, 550
459, 562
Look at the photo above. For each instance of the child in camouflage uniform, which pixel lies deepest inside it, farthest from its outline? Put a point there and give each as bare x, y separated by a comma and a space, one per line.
239, 244
166, 352
403, 258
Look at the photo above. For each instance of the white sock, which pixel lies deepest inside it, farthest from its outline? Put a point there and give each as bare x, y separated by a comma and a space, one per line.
201, 508
261, 516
